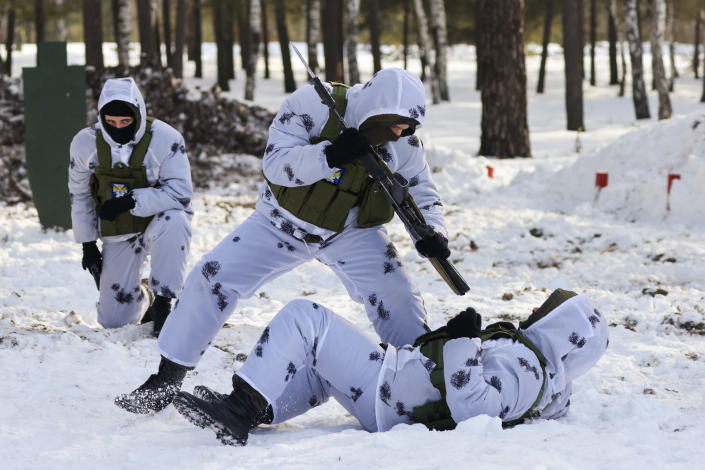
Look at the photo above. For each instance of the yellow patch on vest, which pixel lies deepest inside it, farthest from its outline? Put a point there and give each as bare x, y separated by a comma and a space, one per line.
119, 189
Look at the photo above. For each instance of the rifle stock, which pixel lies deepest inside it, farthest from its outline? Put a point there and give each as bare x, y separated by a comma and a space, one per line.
406, 209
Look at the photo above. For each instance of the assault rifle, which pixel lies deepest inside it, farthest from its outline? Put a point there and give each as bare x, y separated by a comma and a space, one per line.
396, 189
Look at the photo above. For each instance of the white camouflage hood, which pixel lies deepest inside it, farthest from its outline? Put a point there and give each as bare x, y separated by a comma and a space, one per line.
389, 91
123, 89
572, 337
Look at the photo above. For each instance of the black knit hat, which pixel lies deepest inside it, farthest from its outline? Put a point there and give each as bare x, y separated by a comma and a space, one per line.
117, 108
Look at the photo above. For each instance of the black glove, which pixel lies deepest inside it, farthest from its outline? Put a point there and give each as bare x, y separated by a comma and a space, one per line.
433, 245
466, 324
92, 259
114, 207
346, 147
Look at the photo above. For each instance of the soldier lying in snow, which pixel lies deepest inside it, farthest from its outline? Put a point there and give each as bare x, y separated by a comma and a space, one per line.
308, 353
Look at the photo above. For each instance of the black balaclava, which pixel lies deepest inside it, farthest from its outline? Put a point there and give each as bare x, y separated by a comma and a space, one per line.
378, 130
119, 108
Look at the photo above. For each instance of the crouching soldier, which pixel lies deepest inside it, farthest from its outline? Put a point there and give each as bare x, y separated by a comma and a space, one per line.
130, 186
448, 375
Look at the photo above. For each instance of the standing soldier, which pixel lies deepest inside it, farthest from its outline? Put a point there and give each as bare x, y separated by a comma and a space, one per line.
130, 186
317, 202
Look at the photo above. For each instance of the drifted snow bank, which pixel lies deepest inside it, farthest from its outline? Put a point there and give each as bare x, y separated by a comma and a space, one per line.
639, 164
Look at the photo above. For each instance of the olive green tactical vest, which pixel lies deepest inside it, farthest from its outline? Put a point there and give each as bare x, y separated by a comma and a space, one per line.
325, 203
108, 182
435, 415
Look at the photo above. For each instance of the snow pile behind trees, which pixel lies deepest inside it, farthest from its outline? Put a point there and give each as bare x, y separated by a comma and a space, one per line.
638, 165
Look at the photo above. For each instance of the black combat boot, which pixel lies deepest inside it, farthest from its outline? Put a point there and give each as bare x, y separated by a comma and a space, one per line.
157, 313
157, 392
232, 417
161, 308
207, 394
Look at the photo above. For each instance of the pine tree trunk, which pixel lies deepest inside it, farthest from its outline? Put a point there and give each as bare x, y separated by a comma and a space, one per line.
332, 39
10, 37
228, 25
283, 33
351, 12
670, 30
641, 103
373, 20
221, 46
612, 37
548, 20
197, 38
440, 40
124, 30
255, 22
425, 50
573, 57
696, 43
658, 26
179, 37
313, 32
478, 42
39, 20
505, 132
265, 39
243, 31
93, 33
593, 39
166, 20
147, 23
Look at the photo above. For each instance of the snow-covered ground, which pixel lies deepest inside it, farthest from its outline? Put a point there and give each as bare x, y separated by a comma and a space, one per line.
537, 225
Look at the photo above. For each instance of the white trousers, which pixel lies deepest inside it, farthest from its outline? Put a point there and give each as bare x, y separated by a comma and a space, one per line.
307, 354
167, 240
364, 259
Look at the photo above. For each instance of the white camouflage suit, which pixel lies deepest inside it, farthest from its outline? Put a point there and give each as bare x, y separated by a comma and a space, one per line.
297, 364
269, 243
167, 237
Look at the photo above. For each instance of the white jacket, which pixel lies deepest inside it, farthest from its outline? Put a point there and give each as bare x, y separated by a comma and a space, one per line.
498, 377
166, 162
290, 160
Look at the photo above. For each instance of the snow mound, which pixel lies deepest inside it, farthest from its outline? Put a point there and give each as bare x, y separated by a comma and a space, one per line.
638, 165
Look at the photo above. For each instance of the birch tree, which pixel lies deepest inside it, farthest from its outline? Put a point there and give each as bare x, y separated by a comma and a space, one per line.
254, 22
641, 103
124, 30
352, 9
505, 132
658, 26
313, 32
440, 40
425, 50
670, 30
